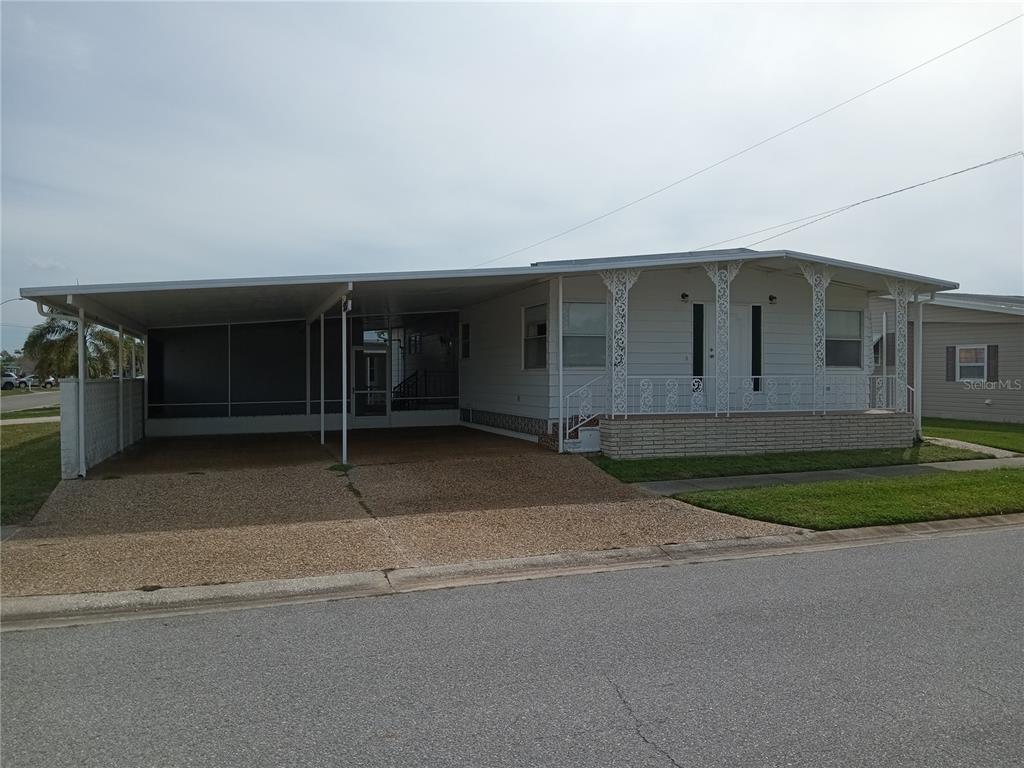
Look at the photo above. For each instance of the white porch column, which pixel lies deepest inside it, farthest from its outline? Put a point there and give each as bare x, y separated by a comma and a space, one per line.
561, 384
322, 414
344, 379
618, 282
120, 388
819, 278
83, 373
899, 291
918, 364
722, 275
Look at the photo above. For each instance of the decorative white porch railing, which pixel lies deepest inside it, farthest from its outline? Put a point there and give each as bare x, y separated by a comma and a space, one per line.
585, 404
793, 393
761, 394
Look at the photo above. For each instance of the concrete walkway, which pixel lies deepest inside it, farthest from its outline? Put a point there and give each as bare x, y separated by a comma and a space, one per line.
672, 487
998, 453
35, 420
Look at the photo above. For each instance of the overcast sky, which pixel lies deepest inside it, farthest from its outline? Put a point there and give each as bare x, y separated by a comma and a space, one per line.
175, 141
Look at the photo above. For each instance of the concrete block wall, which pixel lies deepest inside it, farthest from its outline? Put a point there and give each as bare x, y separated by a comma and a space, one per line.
649, 437
101, 437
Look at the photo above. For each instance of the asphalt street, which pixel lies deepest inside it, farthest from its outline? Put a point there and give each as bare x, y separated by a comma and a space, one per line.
903, 654
44, 397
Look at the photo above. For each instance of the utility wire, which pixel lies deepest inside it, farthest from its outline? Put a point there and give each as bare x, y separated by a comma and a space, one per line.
822, 215
752, 147
834, 211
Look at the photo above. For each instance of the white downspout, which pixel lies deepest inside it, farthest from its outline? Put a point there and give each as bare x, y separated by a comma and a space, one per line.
561, 388
322, 415
120, 388
82, 374
918, 364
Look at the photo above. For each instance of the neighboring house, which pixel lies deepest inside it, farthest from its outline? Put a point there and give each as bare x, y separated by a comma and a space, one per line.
714, 352
973, 359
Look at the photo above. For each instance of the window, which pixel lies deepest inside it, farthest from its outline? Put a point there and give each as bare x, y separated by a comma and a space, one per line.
971, 363
584, 340
465, 341
535, 336
843, 338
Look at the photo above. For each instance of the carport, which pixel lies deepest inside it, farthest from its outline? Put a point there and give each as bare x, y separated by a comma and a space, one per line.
270, 355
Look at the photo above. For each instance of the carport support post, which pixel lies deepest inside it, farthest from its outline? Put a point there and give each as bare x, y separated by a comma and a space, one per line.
307, 368
131, 399
344, 380
82, 373
120, 388
322, 415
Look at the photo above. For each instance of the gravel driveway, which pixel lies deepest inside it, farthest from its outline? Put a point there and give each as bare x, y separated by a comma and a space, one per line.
137, 525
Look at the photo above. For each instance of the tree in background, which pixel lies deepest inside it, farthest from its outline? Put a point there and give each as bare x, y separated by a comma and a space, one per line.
53, 346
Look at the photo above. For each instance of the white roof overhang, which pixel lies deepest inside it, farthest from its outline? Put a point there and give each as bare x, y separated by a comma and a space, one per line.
140, 306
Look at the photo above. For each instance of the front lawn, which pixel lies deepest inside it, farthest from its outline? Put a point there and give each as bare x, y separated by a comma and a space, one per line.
685, 468
856, 503
1009, 437
29, 468
32, 413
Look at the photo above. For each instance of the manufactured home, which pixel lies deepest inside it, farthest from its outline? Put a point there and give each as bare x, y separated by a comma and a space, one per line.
700, 353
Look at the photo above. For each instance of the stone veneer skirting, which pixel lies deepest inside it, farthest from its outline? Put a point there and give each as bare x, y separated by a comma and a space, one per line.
694, 435
524, 424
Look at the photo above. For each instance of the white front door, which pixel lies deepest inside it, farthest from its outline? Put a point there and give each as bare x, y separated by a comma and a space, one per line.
740, 351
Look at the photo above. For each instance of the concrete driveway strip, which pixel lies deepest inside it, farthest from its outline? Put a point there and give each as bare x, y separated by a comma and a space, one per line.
902, 654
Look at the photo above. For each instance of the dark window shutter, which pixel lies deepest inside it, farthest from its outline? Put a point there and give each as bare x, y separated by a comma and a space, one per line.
950, 363
992, 374
890, 348
697, 363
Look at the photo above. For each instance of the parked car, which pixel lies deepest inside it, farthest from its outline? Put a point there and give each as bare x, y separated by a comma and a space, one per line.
10, 380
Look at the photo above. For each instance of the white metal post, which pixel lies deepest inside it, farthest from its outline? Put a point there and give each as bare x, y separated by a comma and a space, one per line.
561, 389
131, 399
145, 382
918, 363
307, 368
322, 414
82, 375
344, 380
120, 388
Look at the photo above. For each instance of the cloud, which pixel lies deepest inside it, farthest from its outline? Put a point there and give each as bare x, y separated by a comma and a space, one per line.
172, 141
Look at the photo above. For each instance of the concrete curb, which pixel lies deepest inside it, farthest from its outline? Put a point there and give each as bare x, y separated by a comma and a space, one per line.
19, 613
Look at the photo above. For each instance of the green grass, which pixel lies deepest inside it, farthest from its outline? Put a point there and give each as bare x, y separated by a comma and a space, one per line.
1009, 437
685, 468
856, 503
29, 468
32, 413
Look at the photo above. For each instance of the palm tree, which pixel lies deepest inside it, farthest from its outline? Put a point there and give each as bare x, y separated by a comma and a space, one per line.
53, 345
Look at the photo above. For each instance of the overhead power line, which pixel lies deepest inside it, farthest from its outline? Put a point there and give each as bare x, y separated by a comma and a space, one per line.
814, 218
752, 147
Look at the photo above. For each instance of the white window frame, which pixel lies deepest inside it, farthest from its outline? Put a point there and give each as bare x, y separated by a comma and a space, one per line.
983, 363
860, 338
524, 338
565, 335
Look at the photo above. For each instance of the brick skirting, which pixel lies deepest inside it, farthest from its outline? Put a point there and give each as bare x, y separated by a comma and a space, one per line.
694, 435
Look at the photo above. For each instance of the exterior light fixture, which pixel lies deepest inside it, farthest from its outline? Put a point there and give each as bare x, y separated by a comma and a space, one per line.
773, 299
684, 297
